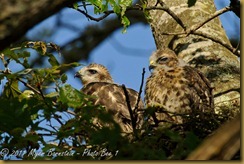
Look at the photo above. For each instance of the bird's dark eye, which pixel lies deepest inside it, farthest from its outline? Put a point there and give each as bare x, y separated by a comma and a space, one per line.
162, 59
92, 71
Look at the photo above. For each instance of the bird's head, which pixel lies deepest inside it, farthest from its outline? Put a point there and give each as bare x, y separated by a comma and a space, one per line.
94, 73
164, 59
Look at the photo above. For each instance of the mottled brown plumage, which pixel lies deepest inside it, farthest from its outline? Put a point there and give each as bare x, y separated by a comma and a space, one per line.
176, 87
98, 82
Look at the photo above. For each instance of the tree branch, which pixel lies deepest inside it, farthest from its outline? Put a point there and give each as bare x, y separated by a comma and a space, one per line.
12, 17
171, 13
29, 86
193, 30
127, 98
106, 14
216, 40
211, 17
140, 91
222, 145
235, 7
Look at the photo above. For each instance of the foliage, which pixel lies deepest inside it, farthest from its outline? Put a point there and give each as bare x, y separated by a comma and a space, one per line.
102, 6
36, 120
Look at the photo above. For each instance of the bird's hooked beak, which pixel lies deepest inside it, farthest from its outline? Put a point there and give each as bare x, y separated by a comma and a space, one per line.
77, 74
151, 65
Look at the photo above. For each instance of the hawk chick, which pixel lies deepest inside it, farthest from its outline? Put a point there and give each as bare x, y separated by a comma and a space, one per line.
176, 87
98, 82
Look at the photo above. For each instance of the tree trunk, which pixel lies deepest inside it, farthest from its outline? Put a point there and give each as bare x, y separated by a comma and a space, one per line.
218, 63
19, 16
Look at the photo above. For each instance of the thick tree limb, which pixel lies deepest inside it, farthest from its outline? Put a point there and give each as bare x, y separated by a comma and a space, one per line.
222, 145
17, 17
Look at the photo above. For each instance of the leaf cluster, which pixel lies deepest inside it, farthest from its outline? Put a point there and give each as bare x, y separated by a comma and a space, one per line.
103, 6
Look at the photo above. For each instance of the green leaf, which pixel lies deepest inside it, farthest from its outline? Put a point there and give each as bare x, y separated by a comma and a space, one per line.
174, 136
75, 5
25, 63
52, 60
70, 96
64, 78
191, 2
116, 8
52, 94
99, 6
124, 4
27, 94
125, 21
13, 114
17, 131
11, 89
74, 64
191, 141
24, 54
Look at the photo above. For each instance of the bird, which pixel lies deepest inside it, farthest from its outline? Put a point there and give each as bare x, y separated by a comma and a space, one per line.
175, 88
97, 81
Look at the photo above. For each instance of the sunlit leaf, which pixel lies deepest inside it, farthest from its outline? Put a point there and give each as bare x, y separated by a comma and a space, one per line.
116, 8
24, 54
52, 60
52, 94
124, 4
11, 89
27, 94
64, 78
75, 5
70, 96
125, 21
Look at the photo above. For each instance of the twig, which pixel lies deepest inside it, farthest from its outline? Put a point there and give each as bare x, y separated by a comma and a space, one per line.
41, 93
45, 134
226, 101
29, 86
140, 8
56, 117
172, 14
130, 109
235, 7
193, 31
107, 13
211, 17
186, 31
140, 91
52, 127
71, 112
215, 39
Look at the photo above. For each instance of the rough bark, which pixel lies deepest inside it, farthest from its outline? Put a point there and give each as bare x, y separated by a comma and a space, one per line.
17, 17
219, 65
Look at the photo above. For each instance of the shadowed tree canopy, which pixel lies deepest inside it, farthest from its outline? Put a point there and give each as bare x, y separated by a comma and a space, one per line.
37, 112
